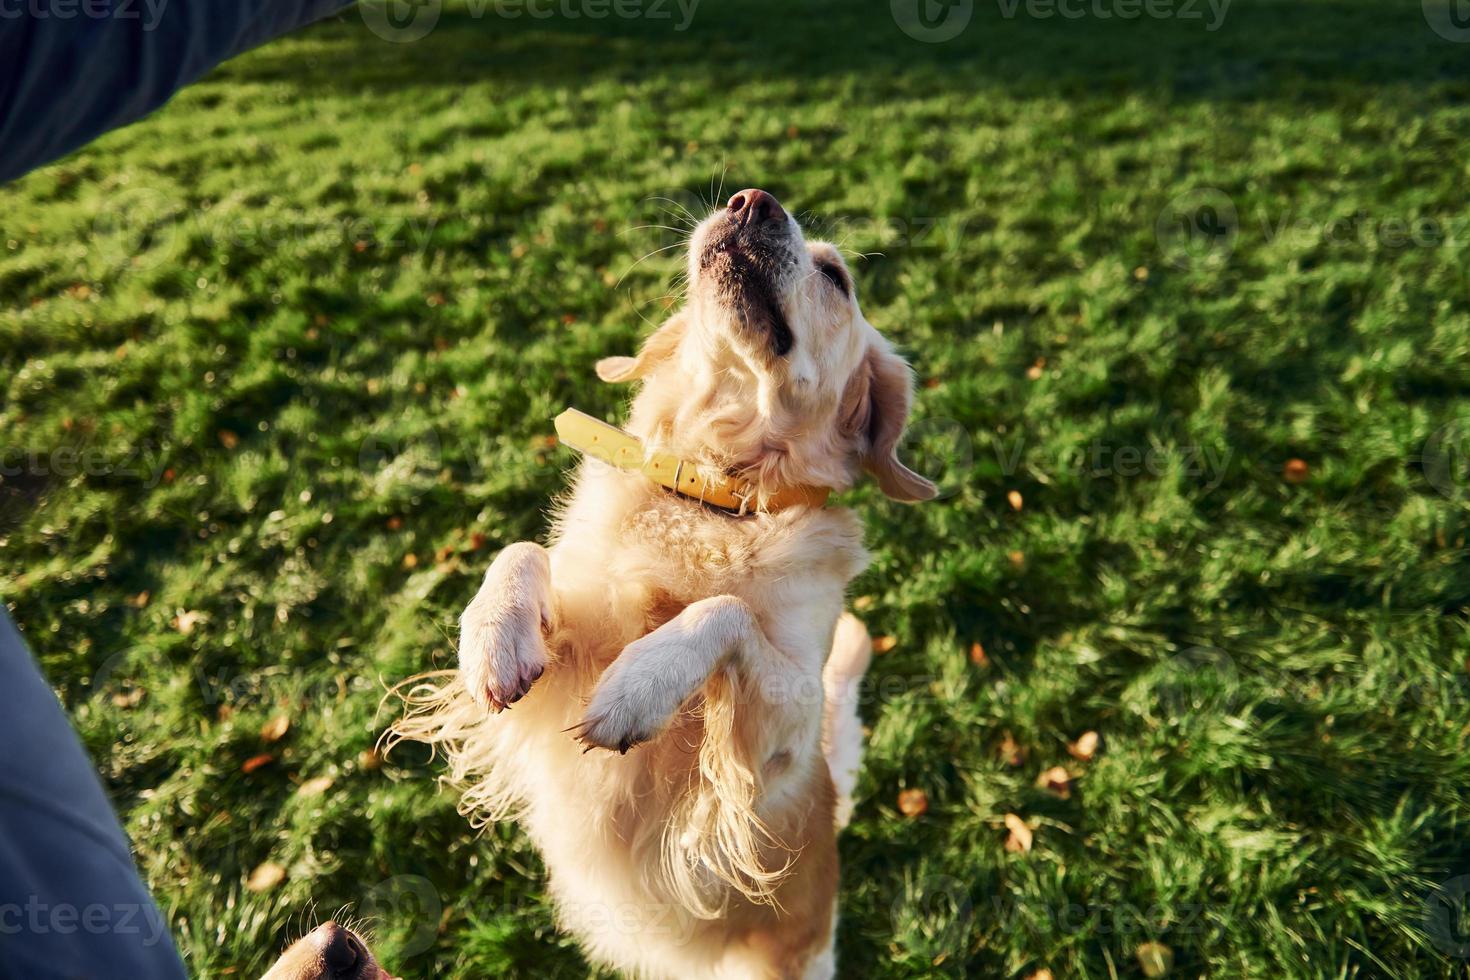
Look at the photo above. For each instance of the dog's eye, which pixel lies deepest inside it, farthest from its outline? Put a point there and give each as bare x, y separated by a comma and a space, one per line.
837, 274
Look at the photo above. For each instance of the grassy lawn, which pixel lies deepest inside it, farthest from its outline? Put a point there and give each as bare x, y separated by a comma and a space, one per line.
277, 369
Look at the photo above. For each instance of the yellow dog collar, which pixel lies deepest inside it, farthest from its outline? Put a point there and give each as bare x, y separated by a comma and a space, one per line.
595, 438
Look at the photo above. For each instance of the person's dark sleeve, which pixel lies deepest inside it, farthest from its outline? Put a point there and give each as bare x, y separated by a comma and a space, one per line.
70, 70
71, 902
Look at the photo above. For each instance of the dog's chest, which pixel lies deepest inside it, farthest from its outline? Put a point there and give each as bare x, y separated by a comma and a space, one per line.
687, 553
691, 553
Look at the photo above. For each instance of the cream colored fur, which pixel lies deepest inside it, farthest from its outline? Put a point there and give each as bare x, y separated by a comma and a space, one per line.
692, 644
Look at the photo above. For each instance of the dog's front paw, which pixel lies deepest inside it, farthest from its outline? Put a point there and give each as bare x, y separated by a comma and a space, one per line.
502, 652
502, 648
613, 725
635, 700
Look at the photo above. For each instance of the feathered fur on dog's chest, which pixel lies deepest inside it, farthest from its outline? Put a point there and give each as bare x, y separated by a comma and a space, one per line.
692, 551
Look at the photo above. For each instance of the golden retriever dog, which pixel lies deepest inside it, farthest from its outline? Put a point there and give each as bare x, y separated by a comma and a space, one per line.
328, 952
705, 646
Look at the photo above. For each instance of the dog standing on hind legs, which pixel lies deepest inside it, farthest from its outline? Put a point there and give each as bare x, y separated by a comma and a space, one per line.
687, 616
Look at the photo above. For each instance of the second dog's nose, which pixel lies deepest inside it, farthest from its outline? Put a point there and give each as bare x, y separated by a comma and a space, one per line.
753, 205
339, 949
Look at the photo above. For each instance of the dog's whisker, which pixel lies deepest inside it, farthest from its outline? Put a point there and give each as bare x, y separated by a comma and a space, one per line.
682, 213
686, 221
684, 237
724, 170
669, 200
647, 256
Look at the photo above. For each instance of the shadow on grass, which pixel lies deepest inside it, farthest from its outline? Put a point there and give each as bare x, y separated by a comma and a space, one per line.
1311, 51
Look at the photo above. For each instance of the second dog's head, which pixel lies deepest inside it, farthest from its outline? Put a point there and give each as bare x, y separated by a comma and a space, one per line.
771, 371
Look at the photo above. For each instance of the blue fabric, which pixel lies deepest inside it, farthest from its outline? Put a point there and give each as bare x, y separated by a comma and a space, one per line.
71, 903
70, 70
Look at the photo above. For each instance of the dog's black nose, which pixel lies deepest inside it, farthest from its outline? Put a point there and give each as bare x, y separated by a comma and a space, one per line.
753, 205
339, 948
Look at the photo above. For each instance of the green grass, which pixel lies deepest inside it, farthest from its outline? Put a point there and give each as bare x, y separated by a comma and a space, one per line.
312, 321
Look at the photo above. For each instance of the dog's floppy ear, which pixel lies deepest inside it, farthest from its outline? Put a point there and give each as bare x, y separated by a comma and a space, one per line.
660, 346
875, 408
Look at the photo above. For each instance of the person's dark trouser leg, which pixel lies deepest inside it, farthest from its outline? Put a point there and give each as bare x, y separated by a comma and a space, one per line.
71, 902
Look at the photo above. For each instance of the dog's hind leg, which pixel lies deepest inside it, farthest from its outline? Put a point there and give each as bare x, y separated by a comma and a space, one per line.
842, 730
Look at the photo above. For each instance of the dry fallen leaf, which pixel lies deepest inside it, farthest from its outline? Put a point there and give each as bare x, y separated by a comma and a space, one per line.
977, 655
913, 802
1086, 746
1056, 780
1034, 371
140, 600
370, 759
882, 644
1155, 958
267, 875
315, 787
1015, 499
1012, 753
394, 523
1295, 471
275, 729
1019, 842
256, 762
